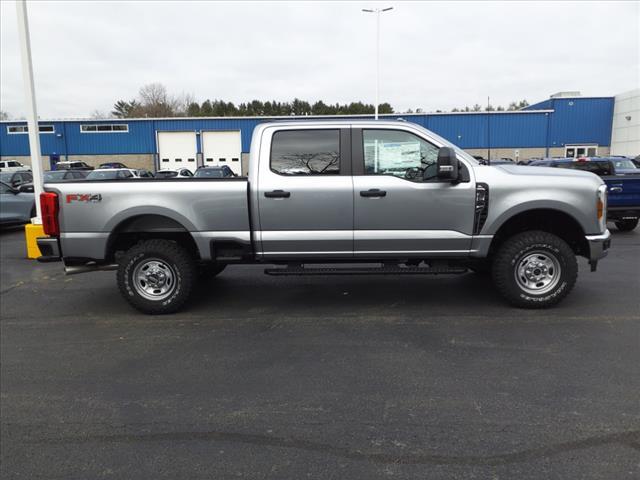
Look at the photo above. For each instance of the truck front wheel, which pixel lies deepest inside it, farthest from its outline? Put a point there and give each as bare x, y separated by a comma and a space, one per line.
156, 276
627, 225
534, 269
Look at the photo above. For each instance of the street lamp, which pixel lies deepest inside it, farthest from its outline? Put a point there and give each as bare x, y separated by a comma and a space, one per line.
377, 11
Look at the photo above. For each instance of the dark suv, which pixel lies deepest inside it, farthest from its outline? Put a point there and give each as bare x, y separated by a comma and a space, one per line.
214, 172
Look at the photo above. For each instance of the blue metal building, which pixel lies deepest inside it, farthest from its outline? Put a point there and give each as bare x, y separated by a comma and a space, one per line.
550, 127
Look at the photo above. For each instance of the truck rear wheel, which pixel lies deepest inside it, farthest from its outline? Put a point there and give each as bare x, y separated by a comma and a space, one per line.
626, 225
534, 269
156, 276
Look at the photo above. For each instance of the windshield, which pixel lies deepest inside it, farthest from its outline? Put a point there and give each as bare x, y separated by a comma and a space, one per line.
624, 163
210, 173
103, 175
50, 176
5, 177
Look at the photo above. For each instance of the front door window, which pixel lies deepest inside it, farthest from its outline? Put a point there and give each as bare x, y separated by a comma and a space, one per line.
400, 154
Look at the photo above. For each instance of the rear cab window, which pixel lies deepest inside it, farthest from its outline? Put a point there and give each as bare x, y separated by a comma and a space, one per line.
306, 152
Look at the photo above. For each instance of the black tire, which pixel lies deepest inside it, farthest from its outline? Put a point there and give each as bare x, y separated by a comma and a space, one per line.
534, 269
170, 266
626, 225
210, 270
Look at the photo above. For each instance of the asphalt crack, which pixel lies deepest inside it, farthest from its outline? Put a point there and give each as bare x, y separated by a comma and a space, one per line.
630, 439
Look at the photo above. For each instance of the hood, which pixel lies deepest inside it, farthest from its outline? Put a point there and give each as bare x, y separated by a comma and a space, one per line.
545, 171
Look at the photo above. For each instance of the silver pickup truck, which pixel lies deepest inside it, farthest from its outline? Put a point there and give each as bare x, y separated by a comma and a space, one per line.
333, 198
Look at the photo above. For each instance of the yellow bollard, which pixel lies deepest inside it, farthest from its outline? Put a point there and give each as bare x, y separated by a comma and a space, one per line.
31, 233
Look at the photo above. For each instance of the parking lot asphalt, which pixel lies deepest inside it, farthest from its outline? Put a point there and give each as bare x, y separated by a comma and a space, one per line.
319, 377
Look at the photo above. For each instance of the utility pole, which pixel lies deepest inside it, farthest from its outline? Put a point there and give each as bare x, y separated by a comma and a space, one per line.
377, 11
488, 131
32, 114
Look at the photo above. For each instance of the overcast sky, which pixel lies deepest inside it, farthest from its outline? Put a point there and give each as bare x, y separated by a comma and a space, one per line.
435, 55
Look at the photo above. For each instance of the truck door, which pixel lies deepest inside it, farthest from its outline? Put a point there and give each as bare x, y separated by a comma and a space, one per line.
305, 193
399, 211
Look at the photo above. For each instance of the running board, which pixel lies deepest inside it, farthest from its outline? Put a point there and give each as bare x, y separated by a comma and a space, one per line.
395, 270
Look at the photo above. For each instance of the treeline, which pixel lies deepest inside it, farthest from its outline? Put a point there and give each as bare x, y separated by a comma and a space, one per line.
490, 108
220, 108
153, 101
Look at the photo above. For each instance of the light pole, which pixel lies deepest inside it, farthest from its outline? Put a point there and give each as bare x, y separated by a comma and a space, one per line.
32, 114
377, 11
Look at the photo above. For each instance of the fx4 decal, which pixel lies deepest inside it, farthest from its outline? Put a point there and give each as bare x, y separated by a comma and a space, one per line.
84, 197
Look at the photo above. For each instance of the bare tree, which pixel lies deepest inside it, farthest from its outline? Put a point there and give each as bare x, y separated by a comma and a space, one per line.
156, 102
304, 163
99, 115
4, 115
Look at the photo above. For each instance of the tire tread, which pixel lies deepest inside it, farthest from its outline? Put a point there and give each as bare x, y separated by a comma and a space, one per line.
170, 250
502, 269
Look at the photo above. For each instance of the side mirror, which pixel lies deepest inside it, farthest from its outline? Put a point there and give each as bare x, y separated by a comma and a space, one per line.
26, 188
448, 167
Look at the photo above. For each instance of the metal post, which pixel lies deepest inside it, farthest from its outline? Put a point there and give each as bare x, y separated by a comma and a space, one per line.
377, 11
488, 132
377, 61
32, 115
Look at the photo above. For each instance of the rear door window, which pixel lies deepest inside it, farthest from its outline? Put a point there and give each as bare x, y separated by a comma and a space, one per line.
306, 152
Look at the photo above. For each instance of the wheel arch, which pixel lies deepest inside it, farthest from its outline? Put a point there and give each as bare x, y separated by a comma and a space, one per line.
145, 226
550, 220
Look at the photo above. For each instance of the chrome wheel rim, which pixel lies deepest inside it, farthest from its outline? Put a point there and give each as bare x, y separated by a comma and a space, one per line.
154, 279
538, 272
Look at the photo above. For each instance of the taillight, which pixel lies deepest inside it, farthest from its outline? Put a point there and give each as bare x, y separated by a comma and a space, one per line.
49, 206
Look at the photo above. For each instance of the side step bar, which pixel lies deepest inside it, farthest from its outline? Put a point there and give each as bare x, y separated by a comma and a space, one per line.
74, 270
384, 270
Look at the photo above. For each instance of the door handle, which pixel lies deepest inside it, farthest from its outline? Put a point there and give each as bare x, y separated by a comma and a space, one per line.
277, 194
615, 189
373, 192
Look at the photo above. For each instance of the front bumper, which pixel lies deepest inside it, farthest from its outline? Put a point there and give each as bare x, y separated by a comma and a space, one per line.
598, 247
50, 249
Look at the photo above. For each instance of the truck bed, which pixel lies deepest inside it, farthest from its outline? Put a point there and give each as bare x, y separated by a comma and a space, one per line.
209, 208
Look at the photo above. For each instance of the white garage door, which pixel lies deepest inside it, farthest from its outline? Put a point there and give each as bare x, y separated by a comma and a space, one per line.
222, 148
177, 150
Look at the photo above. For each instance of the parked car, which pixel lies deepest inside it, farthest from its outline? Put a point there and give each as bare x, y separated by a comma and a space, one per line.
179, 173
214, 172
143, 173
64, 175
426, 208
112, 174
112, 165
636, 161
12, 166
16, 178
15, 206
528, 161
623, 188
73, 166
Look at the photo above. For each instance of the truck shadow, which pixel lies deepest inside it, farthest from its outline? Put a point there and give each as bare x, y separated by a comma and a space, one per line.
247, 289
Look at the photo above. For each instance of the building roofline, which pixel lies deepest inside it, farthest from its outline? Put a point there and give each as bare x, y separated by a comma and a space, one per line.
276, 117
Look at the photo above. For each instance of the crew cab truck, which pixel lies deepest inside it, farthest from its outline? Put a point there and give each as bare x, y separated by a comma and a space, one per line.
366, 197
